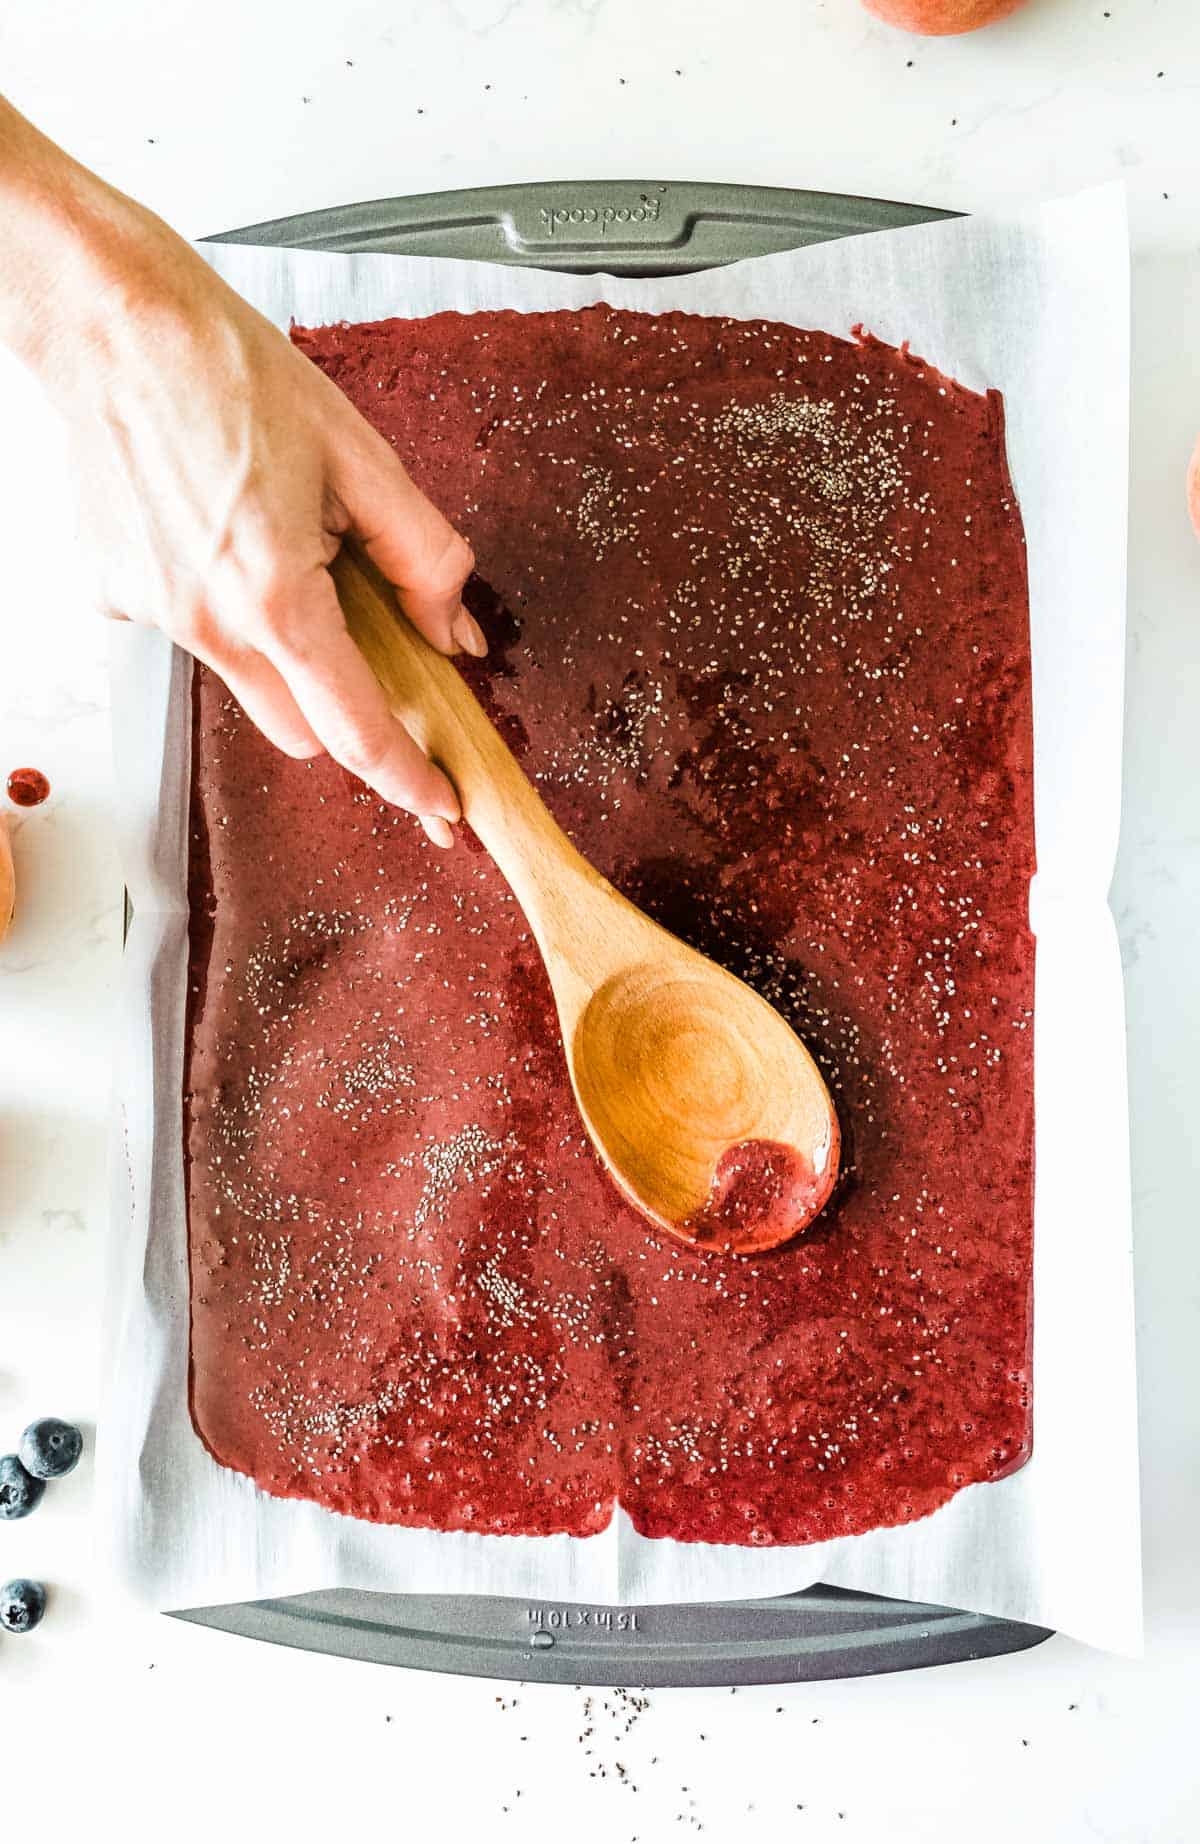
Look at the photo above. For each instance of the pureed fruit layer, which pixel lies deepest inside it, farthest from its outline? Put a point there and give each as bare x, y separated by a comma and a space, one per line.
757, 608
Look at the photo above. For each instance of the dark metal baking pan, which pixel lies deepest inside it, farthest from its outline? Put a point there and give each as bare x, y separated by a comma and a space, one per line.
827, 1632
625, 228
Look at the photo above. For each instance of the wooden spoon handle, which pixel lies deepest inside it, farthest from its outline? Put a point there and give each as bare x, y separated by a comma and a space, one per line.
435, 705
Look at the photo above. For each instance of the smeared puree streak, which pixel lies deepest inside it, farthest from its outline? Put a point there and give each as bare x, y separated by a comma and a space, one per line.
757, 610
27, 787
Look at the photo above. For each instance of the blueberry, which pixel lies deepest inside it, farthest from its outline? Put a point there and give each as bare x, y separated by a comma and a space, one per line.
19, 1490
50, 1448
22, 1604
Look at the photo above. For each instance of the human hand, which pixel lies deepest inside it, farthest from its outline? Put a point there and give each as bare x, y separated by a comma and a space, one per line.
218, 472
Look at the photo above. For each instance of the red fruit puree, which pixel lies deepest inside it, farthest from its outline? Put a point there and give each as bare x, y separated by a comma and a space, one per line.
756, 601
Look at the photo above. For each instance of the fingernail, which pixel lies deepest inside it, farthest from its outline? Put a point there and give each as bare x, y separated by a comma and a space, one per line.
438, 831
468, 633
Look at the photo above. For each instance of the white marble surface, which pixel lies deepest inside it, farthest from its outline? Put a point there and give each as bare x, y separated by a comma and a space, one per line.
202, 110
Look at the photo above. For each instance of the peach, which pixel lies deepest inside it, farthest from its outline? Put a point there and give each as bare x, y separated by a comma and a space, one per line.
936, 18
8, 883
1193, 489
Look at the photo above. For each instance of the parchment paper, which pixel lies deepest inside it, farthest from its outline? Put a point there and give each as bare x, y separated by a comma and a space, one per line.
1036, 306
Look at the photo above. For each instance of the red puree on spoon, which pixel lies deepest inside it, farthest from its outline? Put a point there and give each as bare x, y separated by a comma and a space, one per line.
762, 1193
27, 787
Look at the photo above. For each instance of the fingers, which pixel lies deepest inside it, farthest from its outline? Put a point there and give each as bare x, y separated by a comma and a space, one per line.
341, 699
258, 688
268, 703
407, 537
437, 830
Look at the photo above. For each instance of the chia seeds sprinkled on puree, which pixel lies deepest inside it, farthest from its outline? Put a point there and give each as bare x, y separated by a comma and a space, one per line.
757, 609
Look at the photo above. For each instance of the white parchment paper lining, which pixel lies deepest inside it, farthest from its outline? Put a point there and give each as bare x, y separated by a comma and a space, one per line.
1036, 306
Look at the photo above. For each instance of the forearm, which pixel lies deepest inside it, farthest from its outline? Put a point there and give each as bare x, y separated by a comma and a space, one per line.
69, 244
219, 470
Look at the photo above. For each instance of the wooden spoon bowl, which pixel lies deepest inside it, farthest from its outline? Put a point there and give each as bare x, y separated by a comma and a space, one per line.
707, 1110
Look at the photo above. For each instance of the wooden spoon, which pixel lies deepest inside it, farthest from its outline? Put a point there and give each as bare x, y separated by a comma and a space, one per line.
705, 1107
